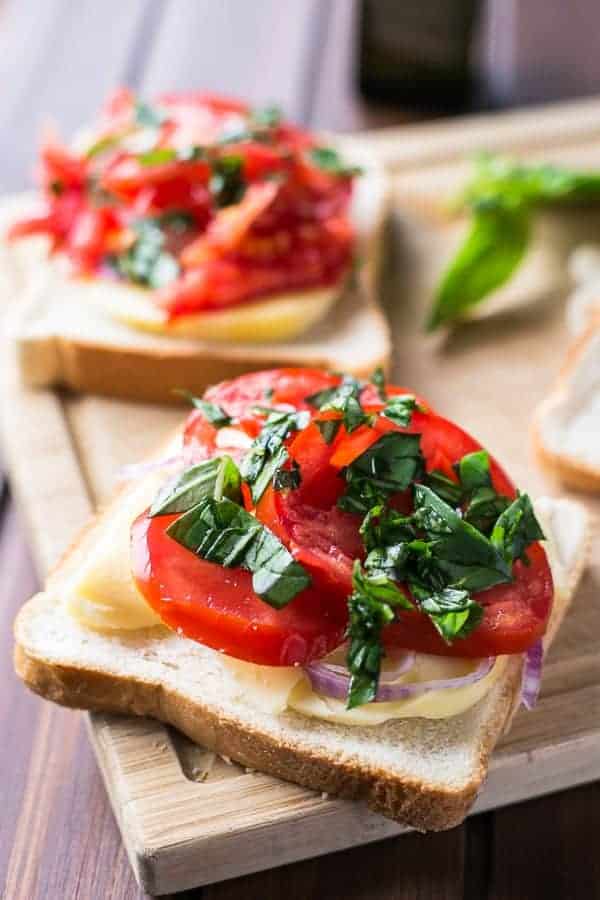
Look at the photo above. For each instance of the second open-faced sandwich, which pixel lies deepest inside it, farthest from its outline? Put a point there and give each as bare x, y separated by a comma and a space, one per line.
189, 239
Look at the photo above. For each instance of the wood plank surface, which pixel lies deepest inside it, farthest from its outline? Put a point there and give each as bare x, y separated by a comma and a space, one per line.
57, 835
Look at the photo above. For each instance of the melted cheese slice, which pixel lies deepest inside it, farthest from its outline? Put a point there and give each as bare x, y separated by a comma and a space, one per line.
102, 595
101, 592
275, 318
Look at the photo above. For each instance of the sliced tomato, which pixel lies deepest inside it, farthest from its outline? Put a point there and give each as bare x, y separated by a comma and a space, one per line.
326, 540
270, 388
218, 607
515, 616
127, 175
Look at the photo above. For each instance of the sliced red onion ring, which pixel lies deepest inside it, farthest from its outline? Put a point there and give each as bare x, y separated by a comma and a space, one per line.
132, 471
333, 681
532, 675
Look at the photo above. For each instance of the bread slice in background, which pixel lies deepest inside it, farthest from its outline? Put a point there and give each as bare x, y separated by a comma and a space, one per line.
65, 337
420, 772
566, 425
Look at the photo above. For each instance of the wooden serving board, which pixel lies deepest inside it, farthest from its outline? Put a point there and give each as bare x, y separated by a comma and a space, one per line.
189, 819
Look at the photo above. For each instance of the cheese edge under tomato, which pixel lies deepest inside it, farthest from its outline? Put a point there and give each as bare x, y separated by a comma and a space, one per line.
102, 595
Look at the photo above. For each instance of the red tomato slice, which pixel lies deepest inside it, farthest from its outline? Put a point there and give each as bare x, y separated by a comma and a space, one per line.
218, 607
515, 616
270, 388
309, 524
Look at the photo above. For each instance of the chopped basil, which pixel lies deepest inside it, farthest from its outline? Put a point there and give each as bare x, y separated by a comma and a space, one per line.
474, 490
145, 262
457, 550
222, 532
328, 428
388, 466
266, 116
371, 607
268, 453
345, 399
516, 528
399, 409
378, 379
329, 160
102, 145
159, 156
445, 487
287, 479
452, 610
149, 116
227, 183
217, 477
215, 414
258, 127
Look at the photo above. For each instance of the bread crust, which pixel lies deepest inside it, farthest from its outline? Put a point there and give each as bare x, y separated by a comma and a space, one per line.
425, 807
149, 374
569, 469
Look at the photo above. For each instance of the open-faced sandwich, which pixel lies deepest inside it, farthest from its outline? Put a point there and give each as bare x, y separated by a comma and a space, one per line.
189, 240
323, 579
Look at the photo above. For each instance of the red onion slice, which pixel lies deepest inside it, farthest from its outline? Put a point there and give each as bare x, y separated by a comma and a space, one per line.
333, 681
532, 675
133, 471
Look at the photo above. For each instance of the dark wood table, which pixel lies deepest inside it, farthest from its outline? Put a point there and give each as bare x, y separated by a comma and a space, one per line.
58, 838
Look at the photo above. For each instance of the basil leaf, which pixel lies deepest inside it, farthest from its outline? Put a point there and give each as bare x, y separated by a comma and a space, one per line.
102, 145
461, 552
266, 116
452, 610
227, 184
399, 409
444, 487
267, 453
329, 160
328, 428
516, 528
159, 156
493, 249
215, 414
378, 380
148, 116
370, 607
222, 532
383, 527
345, 399
145, 262
474, 470
390, 465
287, 479
218, 477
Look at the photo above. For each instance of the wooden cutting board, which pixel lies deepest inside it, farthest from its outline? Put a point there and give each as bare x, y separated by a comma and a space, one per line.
188, 818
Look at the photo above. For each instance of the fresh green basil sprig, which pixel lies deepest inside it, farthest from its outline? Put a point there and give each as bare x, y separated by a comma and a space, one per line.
502, 198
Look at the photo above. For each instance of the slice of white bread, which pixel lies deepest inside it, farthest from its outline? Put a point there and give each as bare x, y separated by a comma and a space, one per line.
566, 425
424, 773
67, 332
